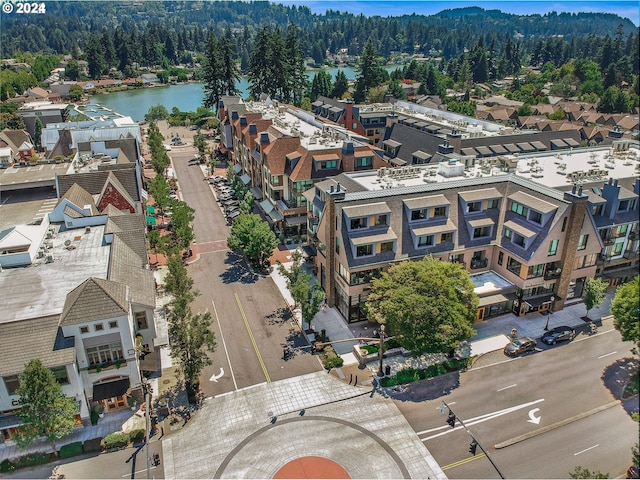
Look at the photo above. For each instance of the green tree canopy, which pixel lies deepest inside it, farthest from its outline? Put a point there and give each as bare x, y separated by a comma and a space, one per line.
429, 305
370, 74
155, 113
45, 411
253, 237
594, 291
305, 291
625, 308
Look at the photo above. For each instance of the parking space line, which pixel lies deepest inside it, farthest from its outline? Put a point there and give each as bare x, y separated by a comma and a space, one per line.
224, 345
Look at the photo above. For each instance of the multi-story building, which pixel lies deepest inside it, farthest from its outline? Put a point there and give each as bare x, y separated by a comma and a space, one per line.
525, 230
280, 151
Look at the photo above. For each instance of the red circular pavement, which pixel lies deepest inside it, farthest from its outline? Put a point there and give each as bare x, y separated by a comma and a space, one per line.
312, 467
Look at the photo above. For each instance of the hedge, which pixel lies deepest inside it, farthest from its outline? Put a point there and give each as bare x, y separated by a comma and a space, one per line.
6, 466
28, 460
115, 440
71, 450
409, 375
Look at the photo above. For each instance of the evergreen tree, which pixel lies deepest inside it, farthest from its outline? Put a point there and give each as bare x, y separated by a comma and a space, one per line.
258, 63
395, 89
37, 134
340, 86
297, 80
95, 56
230, 71
320, 85
213, 71
369, 73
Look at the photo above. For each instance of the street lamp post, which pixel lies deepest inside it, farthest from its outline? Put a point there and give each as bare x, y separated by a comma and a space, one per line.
546, 327
381, 371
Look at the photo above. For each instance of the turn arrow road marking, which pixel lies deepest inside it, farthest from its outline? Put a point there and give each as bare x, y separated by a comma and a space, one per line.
532, 416
214, 378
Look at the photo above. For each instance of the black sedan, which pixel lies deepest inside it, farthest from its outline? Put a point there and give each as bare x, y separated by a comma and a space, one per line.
520, 345
558, 334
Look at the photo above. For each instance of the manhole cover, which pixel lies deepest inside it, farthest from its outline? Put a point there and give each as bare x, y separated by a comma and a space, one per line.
166, 381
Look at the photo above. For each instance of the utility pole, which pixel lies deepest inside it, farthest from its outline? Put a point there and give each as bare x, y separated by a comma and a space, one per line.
451, 420
146, 387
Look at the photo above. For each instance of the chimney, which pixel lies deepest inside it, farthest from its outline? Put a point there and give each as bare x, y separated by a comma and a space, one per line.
243, 121
347, 147
264, 138
234, 115
253, 129
338, 187
445, 147
220, 104
331, 190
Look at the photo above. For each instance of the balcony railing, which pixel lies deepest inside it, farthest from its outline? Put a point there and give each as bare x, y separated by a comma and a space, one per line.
629, 254
552, 273
609, 239
116, 364
461, 262
479, 263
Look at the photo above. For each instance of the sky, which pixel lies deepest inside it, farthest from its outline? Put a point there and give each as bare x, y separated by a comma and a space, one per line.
625, 8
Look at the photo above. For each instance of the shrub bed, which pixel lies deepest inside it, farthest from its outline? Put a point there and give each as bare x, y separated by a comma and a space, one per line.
137, 435
6, 466
28, 460
409, 375
71, 450
115, 440
330, 359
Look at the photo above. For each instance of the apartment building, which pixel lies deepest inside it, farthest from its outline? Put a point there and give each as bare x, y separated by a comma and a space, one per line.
280, 151
526, 233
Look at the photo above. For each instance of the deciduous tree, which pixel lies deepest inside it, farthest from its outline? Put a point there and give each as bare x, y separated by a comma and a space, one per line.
253, 237
625, 308
429, 305
594, 291
45, 410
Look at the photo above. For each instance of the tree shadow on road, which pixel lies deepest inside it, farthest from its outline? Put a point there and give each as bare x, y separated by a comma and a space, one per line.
238, 270
620, 378
428, 389
281, 316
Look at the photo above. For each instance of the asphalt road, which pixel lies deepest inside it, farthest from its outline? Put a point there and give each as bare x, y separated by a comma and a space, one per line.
250, 319
536, 396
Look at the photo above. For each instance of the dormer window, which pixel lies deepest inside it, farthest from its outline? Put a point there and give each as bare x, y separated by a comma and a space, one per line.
474, 207
419, 214
381, 220
357, 223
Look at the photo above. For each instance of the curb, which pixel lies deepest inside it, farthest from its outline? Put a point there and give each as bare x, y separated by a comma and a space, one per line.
562, 423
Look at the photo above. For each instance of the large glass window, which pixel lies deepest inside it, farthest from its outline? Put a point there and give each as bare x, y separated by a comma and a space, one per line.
61, 375
519, 209
425, 241
104, 353
536, 271
514, 266
446, 237
439, 211
386, 247
419, 214
553, 247
364, 250
582, 241
585, 261
474, 207
381, 220
141, 320
358, 223
493, 203
535, 217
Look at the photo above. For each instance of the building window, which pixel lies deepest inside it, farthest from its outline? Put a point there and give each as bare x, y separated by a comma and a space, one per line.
84, 329
425, 241
446, 237
141, 320
98, 327
623, 206
386, 247
507, 232
104, 353
357, 223
12, 382
364, 250
519, 209
585, 261
370, 133
493, 203
564, 224
617, 249
535, 217
500, 258
536, 271
381, 220
582, 241
597, 210
519, 240
364, 162
514, 266
474, 207
113, 324
419, 214
61, 375
553, 248
337, 245
440, 211
342, 271
481, 232
354, 125
457, 258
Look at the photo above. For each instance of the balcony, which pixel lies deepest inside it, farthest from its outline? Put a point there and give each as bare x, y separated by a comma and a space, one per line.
630, 254
479, 263
114, 365
608, 239
461, 262
552, 273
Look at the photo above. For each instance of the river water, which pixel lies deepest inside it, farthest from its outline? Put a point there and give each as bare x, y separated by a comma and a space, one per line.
186, 97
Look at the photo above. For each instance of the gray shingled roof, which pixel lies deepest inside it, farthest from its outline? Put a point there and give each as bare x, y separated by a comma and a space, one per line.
93, 182
80, 197
95, 299
27, 339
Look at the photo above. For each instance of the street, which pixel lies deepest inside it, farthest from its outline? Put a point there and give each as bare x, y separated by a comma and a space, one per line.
552, 402
249, 316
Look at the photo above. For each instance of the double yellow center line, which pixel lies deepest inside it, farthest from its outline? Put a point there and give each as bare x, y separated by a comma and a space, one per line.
253, 340
463, 461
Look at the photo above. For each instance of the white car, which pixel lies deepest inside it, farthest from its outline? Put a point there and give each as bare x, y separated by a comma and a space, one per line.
167, 148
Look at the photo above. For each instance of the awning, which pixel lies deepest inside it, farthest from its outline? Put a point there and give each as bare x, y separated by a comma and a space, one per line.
256, 192
237, 169
10, 420
245, 179
275, 215
383, 237
625, 272
295, 220
571, 142
110, 389
481, 222
524, 231
151, 209
266, 206
493, 299
151, 220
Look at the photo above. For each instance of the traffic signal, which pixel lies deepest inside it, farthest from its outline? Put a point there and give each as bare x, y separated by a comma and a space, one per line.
451, 420
472, 447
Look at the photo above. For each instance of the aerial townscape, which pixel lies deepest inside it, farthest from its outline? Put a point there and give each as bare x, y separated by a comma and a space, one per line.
366, 239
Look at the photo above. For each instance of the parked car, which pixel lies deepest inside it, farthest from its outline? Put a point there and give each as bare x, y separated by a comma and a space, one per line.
633, 471
520, 345
558, 334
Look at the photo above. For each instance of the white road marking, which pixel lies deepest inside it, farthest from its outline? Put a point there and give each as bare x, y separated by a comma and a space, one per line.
532, 416
606, 355
224, 344
585, 450
504, 388
214, 377
473, 421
